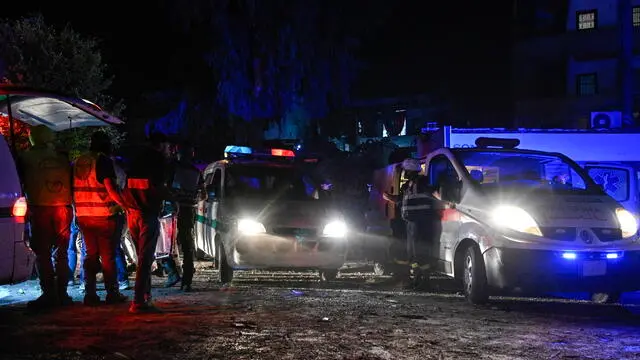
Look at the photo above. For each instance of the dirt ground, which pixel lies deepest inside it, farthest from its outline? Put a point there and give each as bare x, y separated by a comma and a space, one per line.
293, 316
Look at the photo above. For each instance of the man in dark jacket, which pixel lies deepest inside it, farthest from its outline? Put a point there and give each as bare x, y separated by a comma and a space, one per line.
143, 199
186, 180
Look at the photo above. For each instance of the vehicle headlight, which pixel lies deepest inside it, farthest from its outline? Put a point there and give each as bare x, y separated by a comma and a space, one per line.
515, 218
335, 229
250, 227
628, 223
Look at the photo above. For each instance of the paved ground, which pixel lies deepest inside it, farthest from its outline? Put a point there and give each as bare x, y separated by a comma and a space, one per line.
293, 316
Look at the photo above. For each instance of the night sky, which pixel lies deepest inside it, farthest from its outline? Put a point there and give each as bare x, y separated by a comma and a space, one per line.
423, 46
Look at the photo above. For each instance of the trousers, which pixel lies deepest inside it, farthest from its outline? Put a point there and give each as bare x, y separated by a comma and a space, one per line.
100, 242
144, 229
50, 233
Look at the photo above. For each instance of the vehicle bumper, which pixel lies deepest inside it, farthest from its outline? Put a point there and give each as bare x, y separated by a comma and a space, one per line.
543, 271
272, 251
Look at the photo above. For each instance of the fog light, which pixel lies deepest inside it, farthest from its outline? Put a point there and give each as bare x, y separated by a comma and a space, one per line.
612, 256
569, 255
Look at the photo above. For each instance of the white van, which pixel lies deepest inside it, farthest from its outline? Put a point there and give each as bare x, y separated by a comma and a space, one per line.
529, 222
33, 107
16, 258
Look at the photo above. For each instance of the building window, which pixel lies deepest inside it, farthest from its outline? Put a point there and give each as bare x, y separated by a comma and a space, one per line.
586, 20
636, 16
587, 84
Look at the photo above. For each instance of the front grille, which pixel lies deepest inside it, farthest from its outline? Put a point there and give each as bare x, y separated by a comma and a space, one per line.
302, 232
607, 234
560, 233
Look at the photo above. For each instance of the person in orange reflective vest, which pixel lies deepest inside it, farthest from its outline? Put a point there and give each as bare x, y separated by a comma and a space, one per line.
97, 198
46, 176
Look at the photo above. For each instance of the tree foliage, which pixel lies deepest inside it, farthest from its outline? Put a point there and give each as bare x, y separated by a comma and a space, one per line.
278, 59
39, 55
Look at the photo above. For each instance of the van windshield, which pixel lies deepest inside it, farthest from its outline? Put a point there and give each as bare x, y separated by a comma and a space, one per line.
522, 169
283, 183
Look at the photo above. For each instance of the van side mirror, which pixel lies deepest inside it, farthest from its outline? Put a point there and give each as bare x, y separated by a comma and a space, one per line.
451, 191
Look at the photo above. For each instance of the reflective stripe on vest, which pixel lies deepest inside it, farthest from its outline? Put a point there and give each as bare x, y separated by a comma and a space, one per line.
138, 184
90, 196
416, 205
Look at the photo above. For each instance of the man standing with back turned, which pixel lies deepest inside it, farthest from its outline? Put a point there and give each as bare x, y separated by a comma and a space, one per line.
46, 174
144, 195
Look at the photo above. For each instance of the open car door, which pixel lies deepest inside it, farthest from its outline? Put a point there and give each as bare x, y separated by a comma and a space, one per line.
57, 111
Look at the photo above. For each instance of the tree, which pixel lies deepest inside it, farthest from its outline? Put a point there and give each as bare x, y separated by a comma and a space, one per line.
38, 55
283, 62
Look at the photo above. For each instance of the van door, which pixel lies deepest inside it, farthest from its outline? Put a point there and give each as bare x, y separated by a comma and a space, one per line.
212, 209
618, 181
438, 168
200, 220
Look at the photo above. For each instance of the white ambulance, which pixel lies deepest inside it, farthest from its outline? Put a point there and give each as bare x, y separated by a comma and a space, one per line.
32, 107
265, 211
528, 222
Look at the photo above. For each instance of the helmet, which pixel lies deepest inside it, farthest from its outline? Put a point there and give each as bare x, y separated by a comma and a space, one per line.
41, 135
411, 165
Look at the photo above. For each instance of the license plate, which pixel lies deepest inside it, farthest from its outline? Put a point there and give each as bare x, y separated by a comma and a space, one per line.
594, 268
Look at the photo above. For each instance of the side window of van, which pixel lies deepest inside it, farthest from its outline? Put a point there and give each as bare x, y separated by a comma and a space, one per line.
213, 182
440, 167
614, 181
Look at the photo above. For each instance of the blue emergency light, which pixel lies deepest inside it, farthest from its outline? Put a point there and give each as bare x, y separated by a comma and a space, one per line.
237, 150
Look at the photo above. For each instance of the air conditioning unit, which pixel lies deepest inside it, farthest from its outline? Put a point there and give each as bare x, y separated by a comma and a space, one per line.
606, 119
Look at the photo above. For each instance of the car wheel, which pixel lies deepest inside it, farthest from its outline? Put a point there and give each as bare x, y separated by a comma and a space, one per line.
605, 298
328, 275
225, 271
474, 278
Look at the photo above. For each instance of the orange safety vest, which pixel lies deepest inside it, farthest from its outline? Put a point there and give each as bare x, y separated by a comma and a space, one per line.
89, 195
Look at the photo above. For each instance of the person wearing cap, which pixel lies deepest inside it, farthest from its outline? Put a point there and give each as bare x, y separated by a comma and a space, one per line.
417, 205
46, 176
144, 195
97, 202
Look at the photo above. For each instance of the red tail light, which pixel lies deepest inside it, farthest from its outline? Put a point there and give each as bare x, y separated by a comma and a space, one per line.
282, 152
19, 207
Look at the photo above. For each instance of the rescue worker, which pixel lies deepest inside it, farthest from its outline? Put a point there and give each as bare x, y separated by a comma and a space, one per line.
186, 180
143, 199
417, 203
96, 197
46, 175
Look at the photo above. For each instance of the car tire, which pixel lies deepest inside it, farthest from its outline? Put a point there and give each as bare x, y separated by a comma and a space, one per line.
328, 275
225, 271
474, 279
606, 298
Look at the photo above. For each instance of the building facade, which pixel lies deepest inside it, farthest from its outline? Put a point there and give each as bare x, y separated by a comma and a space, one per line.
575, 61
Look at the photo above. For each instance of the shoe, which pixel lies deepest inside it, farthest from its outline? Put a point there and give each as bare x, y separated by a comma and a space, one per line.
92, 300
144, 308
116, 298
41, 303
65, 300
124, 285
172, 280
186, 288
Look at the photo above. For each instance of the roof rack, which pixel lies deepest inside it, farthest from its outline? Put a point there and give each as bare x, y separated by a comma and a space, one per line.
487, 142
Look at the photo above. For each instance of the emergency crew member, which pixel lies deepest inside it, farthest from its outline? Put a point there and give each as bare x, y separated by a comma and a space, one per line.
121, 221
143, 200
96, 198
46, 174
186, 181
419, 213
